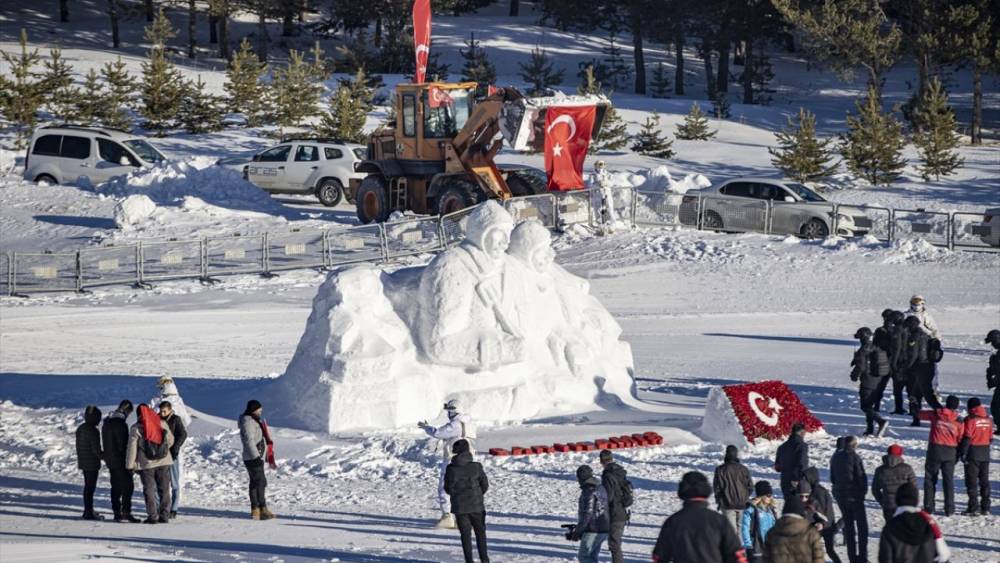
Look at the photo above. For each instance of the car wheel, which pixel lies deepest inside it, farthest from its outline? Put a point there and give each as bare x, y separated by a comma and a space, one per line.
47, 179
815, 228
372, 200
330, 191
712, 221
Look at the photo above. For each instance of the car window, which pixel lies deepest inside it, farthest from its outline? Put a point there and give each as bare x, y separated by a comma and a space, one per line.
409, 115
111, 151
763, 191
362, 154
782, 193
75, 147
803, 192
306, 153
738, 189
277, 154
145, 150
332, 154
47, 145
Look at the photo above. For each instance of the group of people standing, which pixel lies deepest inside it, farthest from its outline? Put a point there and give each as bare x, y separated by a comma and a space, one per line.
151, 447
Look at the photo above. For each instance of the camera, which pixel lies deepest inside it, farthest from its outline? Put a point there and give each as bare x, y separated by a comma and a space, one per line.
569, 530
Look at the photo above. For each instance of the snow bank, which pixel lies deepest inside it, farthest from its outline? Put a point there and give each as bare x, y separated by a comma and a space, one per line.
720, 423
652, 179
132, 210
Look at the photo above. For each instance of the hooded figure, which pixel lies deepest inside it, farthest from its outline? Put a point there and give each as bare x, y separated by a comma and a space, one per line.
871, 368
793, 539
912, 535
466, 483
88, 458
889, 477
733, 486
821, 502
114, 434
169, 393
149, 443
592, 523
696, 532
458, 427
918, 309
463, 319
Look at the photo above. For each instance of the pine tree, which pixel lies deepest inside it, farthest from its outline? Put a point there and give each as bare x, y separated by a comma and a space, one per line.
873, 144
119, 95
936, 140
22, 90
650, 140
319, 65
201, 112
613, 135
87, 109
162, 84
436, 70
591, 85
356, 53
58, 83
247, 95
660, 85
761, 76
540, 72
800, 154
720, 106
618, 72
478, 67
296, 94
360, 88
346, 118
695, 126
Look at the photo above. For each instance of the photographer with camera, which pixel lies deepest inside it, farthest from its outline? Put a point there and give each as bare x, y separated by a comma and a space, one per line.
592, 524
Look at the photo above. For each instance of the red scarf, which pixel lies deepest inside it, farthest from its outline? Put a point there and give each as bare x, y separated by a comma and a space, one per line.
270, 444
150, 422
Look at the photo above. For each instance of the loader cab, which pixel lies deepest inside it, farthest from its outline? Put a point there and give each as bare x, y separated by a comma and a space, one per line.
428, 116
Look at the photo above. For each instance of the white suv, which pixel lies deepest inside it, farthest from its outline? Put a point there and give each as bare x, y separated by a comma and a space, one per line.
69, 154
303, 166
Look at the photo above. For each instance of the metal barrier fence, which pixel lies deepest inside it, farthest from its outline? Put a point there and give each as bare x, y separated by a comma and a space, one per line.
148, 261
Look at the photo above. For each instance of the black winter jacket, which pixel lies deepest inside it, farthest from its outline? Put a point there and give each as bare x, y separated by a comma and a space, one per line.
614, 480
907, 538
88, 441
915, 358
114, 435
821, 499
898, 337
993, 372
792, 458
466, 483
592, 509
889, 477
732, 485
870, 365
696, 533
847, 473
176, 426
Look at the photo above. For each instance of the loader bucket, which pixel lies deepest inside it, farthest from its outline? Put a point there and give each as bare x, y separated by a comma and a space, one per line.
522, 122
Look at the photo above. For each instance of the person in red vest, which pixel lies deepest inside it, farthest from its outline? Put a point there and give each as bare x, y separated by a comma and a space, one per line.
974, 451
942, 453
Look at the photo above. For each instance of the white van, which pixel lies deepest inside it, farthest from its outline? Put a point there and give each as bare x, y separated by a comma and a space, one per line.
66, 154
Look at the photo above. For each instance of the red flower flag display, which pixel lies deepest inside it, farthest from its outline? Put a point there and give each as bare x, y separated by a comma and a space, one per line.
567, 136
744, 413
421, 37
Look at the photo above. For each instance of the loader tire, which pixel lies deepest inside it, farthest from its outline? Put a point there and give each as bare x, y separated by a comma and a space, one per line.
457, 197
372, 200
524, 183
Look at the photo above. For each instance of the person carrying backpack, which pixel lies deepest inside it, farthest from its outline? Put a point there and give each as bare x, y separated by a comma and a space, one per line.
88, 458
619, 488
149, 445
757, 520
466, 483
592, 522
822, 503
871, 368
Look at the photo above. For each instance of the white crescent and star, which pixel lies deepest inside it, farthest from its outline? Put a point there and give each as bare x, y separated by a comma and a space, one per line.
563, 119
422, 48
772, 404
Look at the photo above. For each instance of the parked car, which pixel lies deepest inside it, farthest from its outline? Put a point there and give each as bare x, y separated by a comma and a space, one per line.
989, 229
738, 204
66, 154
303, 166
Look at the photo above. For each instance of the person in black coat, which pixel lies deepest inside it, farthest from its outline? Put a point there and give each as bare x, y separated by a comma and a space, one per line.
466, 483
733, 487
696, 532
919, 368
897, 342
912, 535
889, 477
114, 435
616, 483
821, 501
88, 458
176, 425
871, 369
993, 377
792, 459
850, 486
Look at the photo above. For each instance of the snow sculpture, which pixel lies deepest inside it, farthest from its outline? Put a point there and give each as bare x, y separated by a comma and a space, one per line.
493, 322
747, 413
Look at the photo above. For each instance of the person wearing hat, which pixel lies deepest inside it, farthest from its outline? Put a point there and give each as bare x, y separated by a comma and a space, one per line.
458, 427
825, 516
696, 532
592, 522
257, 448
918, 309
871, 370
898, 337
993, 377
850, 487
466, 483
114, 435
619, 489
919, 369
885, 339
889, 477
149, 442
88, 458
942, 453
974, 450
792, 458
757, 520
912, 535
793, 539
733, 486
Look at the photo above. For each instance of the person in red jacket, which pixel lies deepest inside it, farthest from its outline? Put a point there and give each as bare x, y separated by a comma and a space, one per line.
974, 450
942, 453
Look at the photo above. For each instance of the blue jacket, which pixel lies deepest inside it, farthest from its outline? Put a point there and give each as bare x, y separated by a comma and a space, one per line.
765, 518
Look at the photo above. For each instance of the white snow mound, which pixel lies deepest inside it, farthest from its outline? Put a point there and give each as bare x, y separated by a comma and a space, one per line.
132, 210
720, 423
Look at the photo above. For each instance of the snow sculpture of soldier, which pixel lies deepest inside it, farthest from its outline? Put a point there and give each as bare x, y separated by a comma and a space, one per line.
463, 319
606, 199
458, 427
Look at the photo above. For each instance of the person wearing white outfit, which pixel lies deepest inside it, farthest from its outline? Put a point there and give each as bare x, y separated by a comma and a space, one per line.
169, 393
458, 427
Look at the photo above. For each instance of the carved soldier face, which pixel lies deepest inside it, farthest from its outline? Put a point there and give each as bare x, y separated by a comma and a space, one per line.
495, 243
542, 258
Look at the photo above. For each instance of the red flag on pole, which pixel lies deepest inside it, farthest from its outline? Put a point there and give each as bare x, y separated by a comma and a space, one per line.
567, 136
421, 37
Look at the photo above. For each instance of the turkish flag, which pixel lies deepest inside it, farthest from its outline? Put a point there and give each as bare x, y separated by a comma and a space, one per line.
567, 136
421, 37
437, 97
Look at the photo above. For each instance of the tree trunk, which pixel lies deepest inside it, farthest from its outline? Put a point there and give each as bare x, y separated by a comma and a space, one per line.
303, 6
637, 54
261, 37
64, 10
679, 67
213, 28
192, 22
748, 70
223, 25
977, 105
923, 67
149, 10
722, 84
378, 33
706, 57
287, 22
515, 6
113, 12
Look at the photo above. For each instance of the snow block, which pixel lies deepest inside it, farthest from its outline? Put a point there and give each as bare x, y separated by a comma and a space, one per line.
517, 450
499, 452
745, 413
561, 448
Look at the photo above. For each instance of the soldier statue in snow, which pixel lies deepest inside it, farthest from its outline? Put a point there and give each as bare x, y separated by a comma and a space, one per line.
458, 427
605, 200
993, 377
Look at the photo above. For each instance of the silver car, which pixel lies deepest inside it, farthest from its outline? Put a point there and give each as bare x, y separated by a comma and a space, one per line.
741, 204
68, 154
